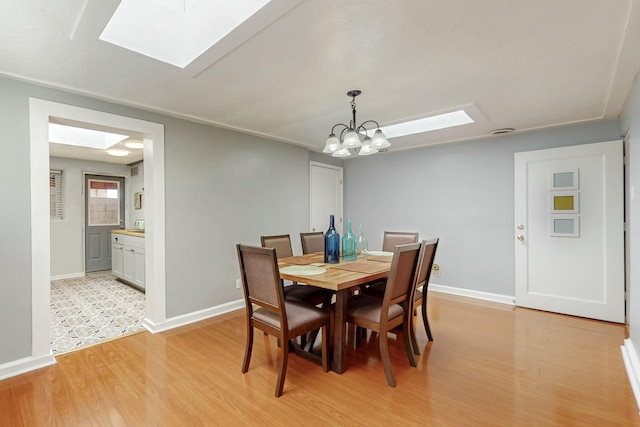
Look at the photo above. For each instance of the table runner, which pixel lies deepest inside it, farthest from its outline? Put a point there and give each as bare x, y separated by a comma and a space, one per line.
303, 260
362, 266
380, 258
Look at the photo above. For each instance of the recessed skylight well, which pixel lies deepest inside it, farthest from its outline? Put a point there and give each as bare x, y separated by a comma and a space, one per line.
176, 31
440, 121
80, 137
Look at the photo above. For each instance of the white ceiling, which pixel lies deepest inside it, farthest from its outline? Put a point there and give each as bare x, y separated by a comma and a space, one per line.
524, 64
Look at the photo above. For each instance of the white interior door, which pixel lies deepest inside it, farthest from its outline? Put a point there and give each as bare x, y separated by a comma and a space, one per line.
569, 230
326, 196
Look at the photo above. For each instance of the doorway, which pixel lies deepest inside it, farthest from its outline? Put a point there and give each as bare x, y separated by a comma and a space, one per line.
569, 230
40, 113
325, 184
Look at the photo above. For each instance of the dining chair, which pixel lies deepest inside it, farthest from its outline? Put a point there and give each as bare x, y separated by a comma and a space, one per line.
312, 242
281, 243
275, 316
423, 274
382, 315
391, 239
295, 292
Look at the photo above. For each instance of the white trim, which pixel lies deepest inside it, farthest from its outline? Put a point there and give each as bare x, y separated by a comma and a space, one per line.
632, 364
39, 113
502, 299
67, 276
27, 364
192, 317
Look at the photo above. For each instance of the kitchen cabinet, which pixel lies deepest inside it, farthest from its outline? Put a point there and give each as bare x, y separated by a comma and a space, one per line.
117, 254
128, 258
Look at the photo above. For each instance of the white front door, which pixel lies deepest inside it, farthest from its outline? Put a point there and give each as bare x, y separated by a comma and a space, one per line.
326, 196
569, 230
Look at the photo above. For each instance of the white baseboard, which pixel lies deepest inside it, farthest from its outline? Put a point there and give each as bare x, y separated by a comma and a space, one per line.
632, 364
503, 299
26, 364
68, 276
189, 318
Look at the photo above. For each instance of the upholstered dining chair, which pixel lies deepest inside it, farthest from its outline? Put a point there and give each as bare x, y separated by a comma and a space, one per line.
423, 274
295, 292
312, 242
275, 316
391, 239
382, 315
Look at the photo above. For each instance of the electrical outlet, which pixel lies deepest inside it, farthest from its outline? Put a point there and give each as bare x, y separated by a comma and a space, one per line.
435, 270
238, 283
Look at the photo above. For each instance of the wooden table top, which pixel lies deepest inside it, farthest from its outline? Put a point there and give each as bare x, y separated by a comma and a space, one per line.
339, 278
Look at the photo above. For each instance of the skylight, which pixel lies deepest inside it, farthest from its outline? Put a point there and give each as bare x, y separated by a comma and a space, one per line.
441, 121
79, 137
176, 31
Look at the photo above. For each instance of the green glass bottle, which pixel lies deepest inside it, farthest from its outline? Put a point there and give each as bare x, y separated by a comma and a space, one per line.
349, 244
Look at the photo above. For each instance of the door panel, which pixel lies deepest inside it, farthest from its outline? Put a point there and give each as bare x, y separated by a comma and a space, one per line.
104, 211
326, 196
569, 244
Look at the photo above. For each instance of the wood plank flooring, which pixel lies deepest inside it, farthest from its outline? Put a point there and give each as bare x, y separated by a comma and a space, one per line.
490, 365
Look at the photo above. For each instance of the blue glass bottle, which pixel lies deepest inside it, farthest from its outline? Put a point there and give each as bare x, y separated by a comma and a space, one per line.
331, 244
349, 244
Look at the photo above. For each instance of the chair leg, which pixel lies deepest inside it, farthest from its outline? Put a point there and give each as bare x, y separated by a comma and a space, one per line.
406, 334
386, 360
247, 350
426, 320
412, 333
283, 370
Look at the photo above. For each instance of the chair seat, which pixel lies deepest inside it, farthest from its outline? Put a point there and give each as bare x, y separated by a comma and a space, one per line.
306, 294
297, 315
368, 308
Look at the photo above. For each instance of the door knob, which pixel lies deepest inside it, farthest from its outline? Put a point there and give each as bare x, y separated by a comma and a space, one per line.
520, 227
521, 237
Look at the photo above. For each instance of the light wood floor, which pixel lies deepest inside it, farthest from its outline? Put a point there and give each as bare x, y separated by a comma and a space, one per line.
490, 365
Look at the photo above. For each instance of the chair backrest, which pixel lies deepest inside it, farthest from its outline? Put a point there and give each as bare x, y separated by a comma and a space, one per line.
393, 238
401, 276
312, 242
261, 279
281, 243
425, 263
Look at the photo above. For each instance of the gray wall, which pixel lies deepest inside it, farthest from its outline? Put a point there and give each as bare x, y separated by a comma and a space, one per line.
462, 193
15, 229
222, 188
225, 188
630, 126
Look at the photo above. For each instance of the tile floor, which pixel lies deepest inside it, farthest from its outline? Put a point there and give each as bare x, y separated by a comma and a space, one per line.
87, 310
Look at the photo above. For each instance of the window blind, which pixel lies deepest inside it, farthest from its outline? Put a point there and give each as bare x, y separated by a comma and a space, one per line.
55, 192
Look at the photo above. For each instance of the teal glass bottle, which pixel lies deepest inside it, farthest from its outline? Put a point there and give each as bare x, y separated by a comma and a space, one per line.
349, 244
362, 247
331, 244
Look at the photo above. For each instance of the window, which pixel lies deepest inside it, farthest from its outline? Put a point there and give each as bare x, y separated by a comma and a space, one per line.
104, 203
55, 194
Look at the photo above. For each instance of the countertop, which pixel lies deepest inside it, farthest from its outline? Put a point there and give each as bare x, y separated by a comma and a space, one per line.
134, 233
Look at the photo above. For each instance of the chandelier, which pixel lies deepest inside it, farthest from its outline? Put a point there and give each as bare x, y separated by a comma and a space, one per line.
349, 139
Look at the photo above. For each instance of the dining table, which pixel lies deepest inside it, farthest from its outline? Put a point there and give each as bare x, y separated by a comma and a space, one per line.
342, 278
